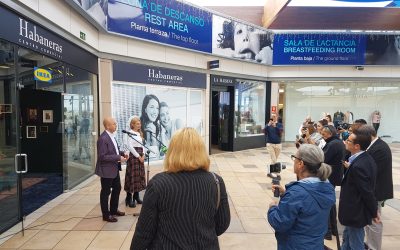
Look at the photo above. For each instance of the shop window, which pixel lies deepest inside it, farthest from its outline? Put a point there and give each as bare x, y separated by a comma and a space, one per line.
166, 110
355, 100
79, 116
249, 108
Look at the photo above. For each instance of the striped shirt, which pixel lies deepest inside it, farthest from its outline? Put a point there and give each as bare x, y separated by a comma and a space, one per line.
180, 212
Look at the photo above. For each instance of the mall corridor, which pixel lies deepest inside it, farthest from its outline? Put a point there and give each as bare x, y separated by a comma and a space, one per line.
73, 220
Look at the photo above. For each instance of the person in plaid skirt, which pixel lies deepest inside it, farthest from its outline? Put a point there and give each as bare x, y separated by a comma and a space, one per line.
135, 180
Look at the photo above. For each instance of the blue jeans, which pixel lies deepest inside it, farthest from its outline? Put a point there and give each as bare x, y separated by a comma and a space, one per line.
353, 238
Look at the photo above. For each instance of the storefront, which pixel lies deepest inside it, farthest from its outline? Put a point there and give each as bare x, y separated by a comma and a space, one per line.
338, 74
238, 112
165, 100
345, 101
48, 111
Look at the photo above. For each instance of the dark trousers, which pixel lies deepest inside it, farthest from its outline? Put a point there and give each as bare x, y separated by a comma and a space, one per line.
106, 185
332, 221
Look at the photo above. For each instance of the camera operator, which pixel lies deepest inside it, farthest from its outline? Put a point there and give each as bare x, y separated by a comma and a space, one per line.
309, 135
343, 131
300, 218
273, 133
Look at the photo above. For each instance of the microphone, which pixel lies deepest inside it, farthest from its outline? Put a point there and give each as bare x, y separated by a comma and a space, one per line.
129, 133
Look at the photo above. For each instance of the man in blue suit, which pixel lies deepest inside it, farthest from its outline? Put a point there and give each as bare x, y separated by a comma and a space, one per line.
108, 165
357, 203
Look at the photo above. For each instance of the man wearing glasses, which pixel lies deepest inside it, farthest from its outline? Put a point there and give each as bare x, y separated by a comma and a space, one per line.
334, 151
357, 203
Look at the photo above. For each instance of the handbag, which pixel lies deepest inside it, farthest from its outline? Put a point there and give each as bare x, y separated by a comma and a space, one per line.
218, 188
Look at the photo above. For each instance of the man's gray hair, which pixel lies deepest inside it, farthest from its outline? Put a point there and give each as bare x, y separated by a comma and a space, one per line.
368, 129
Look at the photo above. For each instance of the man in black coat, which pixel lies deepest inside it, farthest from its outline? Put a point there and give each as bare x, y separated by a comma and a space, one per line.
357, 203
334, 152
380, 151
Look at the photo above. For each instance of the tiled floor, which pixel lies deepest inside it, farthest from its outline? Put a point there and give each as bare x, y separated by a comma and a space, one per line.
73, 220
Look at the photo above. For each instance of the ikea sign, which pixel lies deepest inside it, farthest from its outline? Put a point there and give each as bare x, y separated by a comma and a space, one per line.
43, 75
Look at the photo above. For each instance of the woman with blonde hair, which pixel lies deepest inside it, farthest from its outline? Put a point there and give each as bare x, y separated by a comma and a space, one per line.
135, 180
185, 207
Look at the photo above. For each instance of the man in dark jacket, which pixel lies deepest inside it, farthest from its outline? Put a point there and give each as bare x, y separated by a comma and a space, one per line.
334, 151
357, 203
380, 151
108, 165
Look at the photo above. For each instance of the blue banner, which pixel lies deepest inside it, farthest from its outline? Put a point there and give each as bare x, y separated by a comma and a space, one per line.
164, 21
317, 49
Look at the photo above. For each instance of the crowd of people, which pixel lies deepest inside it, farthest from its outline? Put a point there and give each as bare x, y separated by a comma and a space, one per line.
186, 206
351, 156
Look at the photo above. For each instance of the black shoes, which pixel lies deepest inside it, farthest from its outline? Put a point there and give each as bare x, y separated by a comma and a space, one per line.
137, 198
328, 236
129, 201
118, 213
110, 218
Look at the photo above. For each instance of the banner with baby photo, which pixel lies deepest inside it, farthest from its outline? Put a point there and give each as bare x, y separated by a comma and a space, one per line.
237, 40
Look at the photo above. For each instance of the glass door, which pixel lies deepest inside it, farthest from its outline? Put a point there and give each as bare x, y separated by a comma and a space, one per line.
221, 119
9, 188
40, 110
224, 120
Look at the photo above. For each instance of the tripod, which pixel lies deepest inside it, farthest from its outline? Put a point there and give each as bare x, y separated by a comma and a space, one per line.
148, 160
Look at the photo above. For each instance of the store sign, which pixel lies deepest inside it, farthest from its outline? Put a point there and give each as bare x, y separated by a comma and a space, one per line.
344, 3
164, 21
43, 75
20, 30
213, 64
222, 80
137, 73
313, 49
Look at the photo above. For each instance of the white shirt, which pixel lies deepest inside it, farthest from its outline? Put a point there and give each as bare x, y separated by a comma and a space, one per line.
114, 141
372, 142
131, 144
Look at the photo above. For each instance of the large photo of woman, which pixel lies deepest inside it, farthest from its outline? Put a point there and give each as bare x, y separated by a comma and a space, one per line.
161, 111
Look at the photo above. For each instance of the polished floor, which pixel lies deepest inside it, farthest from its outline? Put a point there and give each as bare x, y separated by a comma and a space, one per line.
73, 220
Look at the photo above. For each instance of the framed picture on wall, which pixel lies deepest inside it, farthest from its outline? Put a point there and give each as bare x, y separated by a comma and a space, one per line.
44, 129
47, 116
5, 109
32, 114
30, 131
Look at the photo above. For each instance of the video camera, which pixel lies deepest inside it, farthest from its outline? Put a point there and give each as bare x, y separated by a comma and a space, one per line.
343, 126
276, 168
